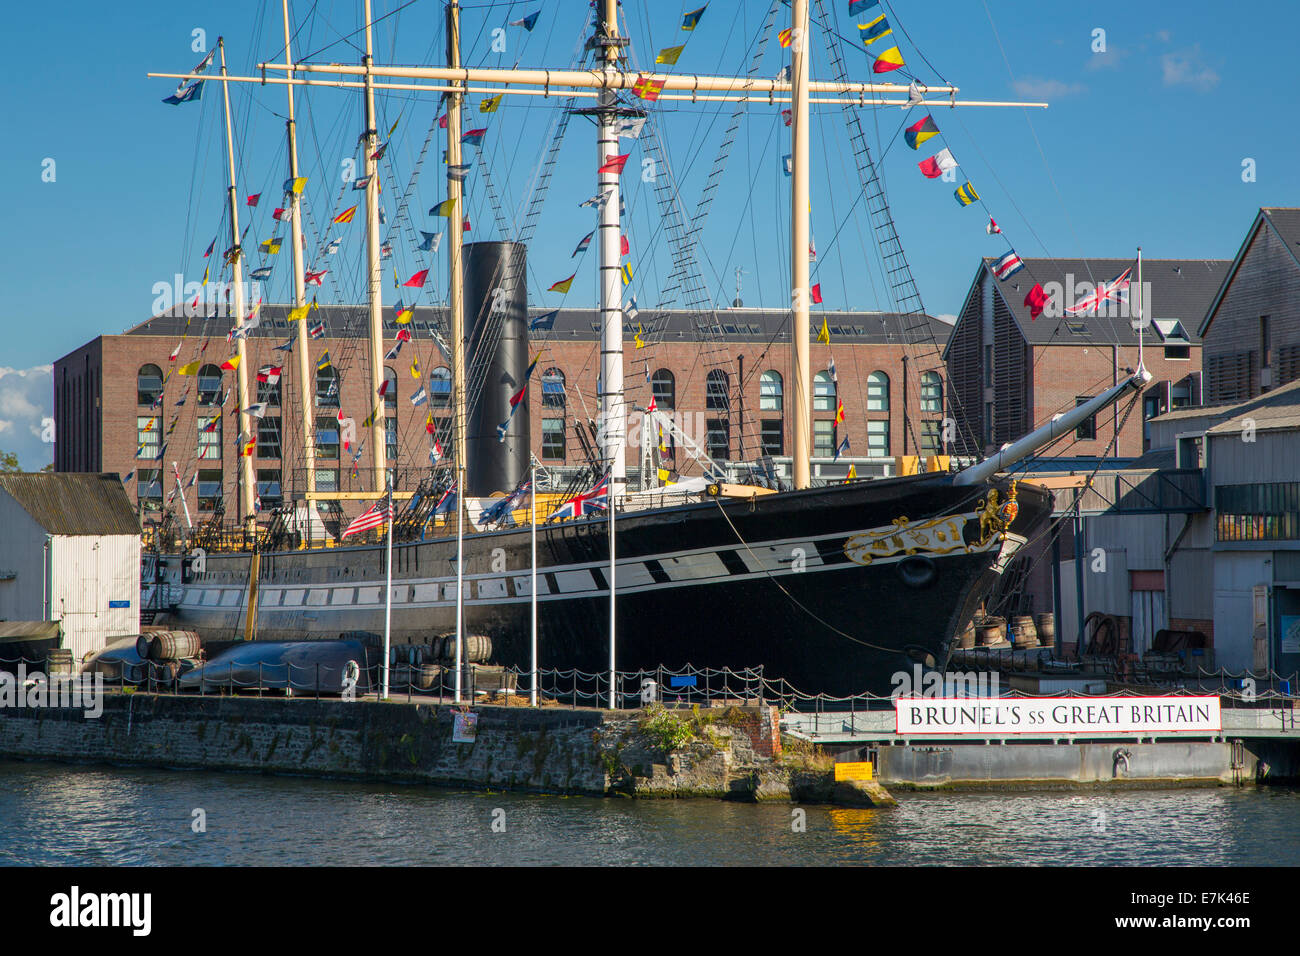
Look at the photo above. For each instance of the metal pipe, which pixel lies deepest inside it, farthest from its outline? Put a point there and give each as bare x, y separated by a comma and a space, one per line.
532, 590
1057, 427
388, 597
460, 571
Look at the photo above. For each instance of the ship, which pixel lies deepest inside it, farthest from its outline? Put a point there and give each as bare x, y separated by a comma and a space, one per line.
824, 590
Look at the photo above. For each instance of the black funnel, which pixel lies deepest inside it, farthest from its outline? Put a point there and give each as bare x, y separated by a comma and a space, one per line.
496, 324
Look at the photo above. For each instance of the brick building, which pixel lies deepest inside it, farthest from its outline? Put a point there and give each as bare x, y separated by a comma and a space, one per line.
1252, 328
1010, 373
728, 385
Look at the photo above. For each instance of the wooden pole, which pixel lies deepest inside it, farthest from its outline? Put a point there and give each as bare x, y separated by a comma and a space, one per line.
379, 417
800, 293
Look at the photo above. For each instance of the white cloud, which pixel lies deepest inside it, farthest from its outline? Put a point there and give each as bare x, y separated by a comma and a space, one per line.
1189, 67
1040, 88
1110, 60
26, 397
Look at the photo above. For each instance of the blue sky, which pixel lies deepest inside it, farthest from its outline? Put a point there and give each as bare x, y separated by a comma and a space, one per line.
1143, 144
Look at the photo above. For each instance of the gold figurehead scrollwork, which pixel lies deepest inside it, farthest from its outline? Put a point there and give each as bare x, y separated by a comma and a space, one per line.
936, 536
995, 519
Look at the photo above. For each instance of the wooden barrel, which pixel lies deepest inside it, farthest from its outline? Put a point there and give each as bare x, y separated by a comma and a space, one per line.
477, 649
399, 678
164, 673
426, 677
991, 631
967, 637
58, 662
143, 643
1023, 632
1046, 629
172, 645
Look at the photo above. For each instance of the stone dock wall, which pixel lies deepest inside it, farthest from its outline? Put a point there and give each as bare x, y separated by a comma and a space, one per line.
553, 750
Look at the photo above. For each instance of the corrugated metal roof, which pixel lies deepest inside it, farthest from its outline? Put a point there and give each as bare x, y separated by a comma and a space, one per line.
28, 630
1180, 289
73, 503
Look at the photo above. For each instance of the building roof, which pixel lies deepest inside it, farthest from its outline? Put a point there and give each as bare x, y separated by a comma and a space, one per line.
1275, 409
19, 631
1285, 223
662, 325
73, 503
1181, 289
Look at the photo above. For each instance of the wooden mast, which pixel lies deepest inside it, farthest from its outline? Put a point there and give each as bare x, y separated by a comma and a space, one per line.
248, 483
300, 291
800, 293
375, 402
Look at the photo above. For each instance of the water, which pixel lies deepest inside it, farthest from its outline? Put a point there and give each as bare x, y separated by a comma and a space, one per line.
71, 815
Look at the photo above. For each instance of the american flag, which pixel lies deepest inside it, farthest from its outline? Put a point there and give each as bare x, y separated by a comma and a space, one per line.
372, 518
1116, 289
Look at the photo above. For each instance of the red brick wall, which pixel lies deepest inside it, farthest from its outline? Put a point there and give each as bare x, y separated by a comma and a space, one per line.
123, 355
1063, 373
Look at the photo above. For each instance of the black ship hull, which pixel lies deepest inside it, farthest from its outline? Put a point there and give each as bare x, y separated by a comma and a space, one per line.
832, 589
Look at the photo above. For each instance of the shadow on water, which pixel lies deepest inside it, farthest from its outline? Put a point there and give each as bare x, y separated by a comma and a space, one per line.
62, 815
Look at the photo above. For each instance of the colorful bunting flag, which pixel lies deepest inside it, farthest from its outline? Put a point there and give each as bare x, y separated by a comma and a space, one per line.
324, 362
490, 104
314, 278
457, 172
1036, 301
186, 94
420, 397
993, 228
627, 273
271, 246
282, 214
361, 183
891, 59
874, 29
190, 368
269, 374
417, 280
785, 37
431, 241
527, 22
582, 245
211, 245
543, 323
346, 215
857, 6
474, 137
252, 200
839, 412
692, 19
966, 194
938, 164
295, 186
842, 448
1008, 265
614, 164
445, 208
631, 127
231, 364
647, 89
669, 54
562, 285
817, 298
920, 131
622, 245
824, 335
258, 275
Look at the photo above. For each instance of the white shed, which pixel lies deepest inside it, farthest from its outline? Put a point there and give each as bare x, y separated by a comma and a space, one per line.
70, 552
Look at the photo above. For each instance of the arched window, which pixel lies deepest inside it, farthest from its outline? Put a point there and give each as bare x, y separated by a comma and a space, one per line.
769, 392
148, 384
552, 388
440, 387
327, 387
877, 392
209, 384
390, 393
931, 392
823, 392
663, 386
717, 391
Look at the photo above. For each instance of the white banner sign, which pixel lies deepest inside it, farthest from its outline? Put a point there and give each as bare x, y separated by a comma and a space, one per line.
1007, 716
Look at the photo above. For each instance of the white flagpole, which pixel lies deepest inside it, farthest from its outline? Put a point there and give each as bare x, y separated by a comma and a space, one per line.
532, 589
1142, 307
613, 701
460, 571
388, 596
181, 491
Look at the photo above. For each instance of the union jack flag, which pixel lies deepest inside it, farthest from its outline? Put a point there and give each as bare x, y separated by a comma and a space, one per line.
589, 501
1115, 290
